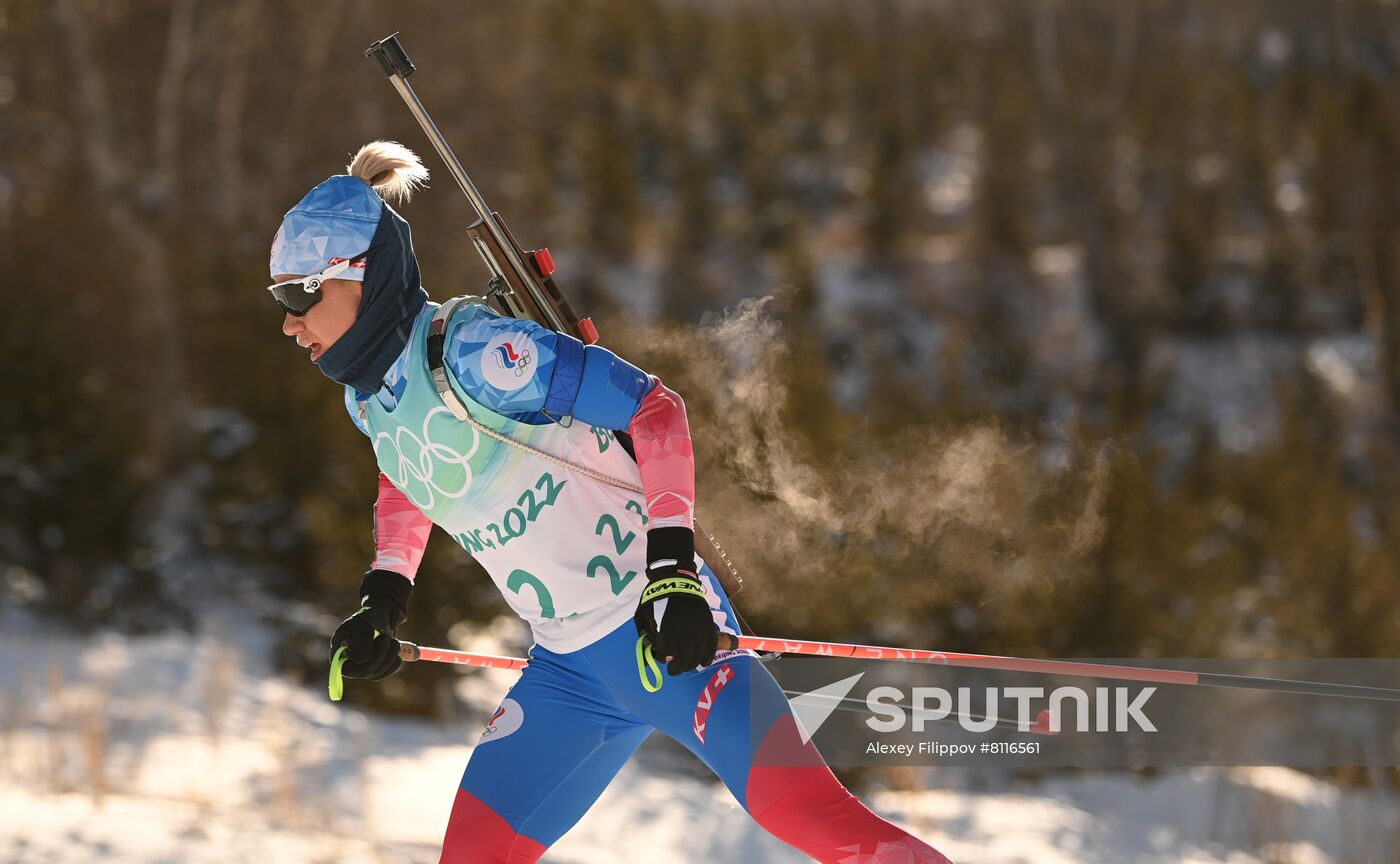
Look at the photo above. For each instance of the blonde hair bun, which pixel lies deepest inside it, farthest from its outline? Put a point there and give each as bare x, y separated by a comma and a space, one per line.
391, 168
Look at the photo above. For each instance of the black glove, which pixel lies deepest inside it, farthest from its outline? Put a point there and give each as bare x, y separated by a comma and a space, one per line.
686, 632
368, 635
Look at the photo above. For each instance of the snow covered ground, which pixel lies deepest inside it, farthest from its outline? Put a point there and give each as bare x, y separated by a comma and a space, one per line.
188, 749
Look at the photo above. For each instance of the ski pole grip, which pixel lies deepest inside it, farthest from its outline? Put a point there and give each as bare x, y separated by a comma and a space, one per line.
391, 56
728, 642
408, 652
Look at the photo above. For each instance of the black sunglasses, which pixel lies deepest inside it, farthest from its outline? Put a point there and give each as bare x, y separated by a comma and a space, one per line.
297, 296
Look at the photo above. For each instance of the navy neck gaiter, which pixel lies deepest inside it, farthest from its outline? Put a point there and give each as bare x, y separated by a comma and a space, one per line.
391, 299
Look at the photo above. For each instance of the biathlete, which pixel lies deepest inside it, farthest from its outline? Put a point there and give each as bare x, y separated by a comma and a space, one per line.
592, 567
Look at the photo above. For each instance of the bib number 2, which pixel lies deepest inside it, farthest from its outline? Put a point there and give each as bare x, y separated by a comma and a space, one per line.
616, 580
518, 579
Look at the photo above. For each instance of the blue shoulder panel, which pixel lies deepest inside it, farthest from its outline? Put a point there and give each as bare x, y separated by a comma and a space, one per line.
530, 373
504, 363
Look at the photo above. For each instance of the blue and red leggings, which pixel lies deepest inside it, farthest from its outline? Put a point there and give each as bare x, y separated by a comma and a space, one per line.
572, 720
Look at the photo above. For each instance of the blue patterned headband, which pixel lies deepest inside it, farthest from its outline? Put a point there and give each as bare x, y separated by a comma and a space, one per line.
335, 221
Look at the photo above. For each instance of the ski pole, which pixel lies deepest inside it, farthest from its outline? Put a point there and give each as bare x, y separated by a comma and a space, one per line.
1057, 667
727, 641
410, 652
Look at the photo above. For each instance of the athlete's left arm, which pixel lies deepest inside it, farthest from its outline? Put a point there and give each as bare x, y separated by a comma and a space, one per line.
516, 366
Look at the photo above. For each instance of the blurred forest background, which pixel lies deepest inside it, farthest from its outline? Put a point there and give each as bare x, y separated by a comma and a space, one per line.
1059, 328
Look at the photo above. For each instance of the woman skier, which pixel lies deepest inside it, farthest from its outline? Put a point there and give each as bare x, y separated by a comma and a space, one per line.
564, 548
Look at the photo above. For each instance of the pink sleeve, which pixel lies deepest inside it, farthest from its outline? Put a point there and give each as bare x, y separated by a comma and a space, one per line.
661, 437
400, 531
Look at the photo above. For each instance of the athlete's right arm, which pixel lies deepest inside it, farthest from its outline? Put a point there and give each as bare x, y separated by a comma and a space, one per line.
400, 531
400, 536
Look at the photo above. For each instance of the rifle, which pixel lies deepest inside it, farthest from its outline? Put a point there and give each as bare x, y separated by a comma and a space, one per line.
522, 281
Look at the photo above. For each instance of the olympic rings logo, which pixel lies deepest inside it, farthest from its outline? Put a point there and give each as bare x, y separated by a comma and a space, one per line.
416, 474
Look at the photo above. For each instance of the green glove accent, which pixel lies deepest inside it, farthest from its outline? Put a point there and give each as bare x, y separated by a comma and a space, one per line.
337, 683
673, 585
646, 661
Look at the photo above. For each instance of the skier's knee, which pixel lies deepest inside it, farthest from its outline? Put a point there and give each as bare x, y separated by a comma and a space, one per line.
805, 806
476, 834
794, 796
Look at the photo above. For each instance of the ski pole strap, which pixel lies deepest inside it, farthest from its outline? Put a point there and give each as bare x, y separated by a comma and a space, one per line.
336, 685
337, 682
673, 585
646, 662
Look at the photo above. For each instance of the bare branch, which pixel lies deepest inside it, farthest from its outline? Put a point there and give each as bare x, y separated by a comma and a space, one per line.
228, 136
169, 87
1047, 55
93, 102
1125, 46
